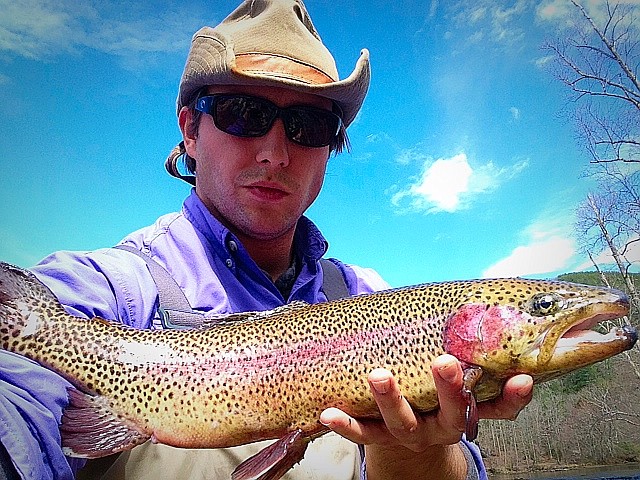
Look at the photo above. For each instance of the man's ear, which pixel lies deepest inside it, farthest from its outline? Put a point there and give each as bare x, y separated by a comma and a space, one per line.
189, 131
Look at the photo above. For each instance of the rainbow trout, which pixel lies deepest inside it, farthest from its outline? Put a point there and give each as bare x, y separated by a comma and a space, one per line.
269, 375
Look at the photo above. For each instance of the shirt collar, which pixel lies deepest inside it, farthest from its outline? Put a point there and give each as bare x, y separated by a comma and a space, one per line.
309, 242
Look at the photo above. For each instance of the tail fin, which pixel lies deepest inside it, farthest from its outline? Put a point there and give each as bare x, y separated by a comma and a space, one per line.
25, 304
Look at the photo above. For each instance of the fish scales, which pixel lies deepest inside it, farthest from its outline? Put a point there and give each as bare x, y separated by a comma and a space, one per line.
233, 367
269, 373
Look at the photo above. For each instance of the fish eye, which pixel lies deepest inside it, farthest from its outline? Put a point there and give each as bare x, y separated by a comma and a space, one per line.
543, 304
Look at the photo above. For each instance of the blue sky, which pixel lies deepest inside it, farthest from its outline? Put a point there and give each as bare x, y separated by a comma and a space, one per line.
462, 163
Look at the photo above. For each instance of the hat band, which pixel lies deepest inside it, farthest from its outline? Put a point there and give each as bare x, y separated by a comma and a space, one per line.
259, 64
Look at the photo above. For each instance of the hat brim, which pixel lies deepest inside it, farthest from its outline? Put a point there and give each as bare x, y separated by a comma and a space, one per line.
211, 67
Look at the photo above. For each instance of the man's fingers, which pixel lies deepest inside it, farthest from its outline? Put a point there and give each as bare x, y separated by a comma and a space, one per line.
516, 394
399, 421
396, 412
448, 377
358, 431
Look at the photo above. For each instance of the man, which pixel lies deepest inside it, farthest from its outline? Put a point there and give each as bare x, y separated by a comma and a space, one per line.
260, 108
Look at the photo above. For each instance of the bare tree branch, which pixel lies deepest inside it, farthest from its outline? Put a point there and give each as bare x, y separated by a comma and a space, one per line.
609, 220
598, 62
610, 45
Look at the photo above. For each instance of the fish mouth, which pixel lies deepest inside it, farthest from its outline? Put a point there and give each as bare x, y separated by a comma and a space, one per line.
584, 333
580, 344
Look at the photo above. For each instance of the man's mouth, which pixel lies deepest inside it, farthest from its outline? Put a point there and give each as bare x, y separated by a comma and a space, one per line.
268, 191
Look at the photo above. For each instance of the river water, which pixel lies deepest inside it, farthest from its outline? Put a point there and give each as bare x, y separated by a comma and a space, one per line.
621, 472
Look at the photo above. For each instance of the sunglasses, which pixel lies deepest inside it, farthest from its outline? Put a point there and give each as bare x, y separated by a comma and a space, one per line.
247, 116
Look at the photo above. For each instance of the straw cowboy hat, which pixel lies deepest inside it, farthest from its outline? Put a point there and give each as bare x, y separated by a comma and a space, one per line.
271, 42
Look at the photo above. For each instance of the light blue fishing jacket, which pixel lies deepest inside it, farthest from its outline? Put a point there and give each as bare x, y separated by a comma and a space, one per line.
214, 272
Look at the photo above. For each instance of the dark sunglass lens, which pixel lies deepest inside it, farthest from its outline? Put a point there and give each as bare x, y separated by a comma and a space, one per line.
311, 127
244, 116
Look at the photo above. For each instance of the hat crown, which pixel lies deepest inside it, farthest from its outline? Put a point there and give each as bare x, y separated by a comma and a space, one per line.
281, 28
279, 8
271, 43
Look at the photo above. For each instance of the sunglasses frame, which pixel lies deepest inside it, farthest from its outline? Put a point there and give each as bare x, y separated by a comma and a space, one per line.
208, 104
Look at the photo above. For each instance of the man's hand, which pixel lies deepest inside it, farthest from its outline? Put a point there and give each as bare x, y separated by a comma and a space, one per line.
420, 439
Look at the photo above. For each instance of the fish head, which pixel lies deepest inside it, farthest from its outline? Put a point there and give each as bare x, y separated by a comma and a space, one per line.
542, 328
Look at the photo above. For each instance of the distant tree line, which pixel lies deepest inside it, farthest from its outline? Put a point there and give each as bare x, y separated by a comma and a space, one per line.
589, 417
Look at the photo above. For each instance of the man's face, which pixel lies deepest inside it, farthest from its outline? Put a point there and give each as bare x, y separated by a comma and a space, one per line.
257, 187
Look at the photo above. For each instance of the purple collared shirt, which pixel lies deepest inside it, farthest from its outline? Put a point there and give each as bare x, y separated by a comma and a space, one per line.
214, 272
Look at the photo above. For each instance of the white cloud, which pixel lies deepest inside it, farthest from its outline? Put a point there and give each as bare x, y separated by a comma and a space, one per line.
547, 246
540, 256
40, 29
411, 155
378, 137
605, 260
443, 182
494, 21
562, 13
433, 8
515, 113
541, 62
553, 10
448, 184
633, 254
477, 14
33, 29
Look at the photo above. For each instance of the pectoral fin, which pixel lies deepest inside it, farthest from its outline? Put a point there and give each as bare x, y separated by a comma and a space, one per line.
471, 377
90, 429
273, 462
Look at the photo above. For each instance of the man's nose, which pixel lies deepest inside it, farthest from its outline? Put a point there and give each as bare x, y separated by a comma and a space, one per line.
274, 146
